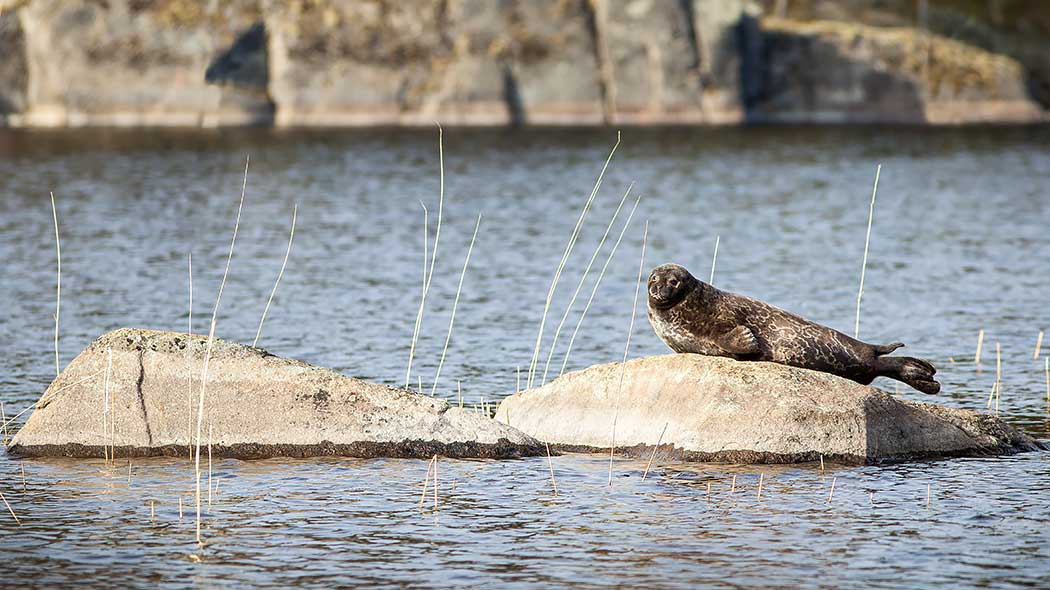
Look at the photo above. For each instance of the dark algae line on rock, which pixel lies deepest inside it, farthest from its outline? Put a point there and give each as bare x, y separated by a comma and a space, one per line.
410, 449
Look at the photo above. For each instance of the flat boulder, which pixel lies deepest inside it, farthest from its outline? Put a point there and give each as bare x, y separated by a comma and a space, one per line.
722, 410
255, 405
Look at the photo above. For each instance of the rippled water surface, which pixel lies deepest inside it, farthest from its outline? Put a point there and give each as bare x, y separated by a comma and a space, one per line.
960, 243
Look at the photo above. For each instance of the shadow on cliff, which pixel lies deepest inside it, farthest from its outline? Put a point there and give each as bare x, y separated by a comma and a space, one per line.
788, 77
242, 70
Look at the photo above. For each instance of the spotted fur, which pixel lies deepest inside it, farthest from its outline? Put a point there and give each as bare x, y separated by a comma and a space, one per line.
690, 315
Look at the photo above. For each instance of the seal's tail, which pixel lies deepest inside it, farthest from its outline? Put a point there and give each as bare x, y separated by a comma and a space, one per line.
881, 349
915, 372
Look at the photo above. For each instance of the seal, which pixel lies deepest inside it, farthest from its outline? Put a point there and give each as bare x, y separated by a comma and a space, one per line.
690, 315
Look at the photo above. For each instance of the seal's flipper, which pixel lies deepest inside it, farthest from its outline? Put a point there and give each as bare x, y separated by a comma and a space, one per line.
739, 340
915, 372
881, 349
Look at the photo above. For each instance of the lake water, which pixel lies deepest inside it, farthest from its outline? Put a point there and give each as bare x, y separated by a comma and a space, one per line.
960, 243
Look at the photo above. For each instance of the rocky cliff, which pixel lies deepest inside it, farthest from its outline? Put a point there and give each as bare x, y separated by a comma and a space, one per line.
479, 62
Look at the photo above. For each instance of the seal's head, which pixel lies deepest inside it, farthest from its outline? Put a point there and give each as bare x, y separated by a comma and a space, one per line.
669, 284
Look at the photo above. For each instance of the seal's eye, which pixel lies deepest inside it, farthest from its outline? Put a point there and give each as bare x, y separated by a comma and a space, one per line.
673, 282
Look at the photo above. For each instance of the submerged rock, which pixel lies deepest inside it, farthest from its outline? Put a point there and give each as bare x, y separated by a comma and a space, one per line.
256, 405
722, 410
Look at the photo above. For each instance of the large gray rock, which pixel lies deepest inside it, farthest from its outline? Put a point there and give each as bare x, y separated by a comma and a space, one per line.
256, 404
722, 410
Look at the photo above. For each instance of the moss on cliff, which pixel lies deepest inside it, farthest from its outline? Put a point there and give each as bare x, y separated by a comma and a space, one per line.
947, 67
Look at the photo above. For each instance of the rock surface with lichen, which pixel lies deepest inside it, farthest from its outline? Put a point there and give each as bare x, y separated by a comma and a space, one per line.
838, 72
705, 408
255, 405
477, 62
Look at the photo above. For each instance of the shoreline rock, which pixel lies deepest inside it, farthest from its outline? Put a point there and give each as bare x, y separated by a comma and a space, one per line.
722, 410
257, 404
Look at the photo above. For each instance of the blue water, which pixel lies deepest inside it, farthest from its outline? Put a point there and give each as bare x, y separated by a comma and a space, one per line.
959, 244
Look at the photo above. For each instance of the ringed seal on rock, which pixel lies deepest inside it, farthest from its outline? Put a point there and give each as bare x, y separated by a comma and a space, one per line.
690, 315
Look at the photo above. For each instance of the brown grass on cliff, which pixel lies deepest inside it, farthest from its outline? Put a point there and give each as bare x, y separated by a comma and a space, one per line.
948, 64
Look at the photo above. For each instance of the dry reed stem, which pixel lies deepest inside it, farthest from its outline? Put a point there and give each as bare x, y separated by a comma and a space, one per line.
189, 358
426, 231
564, 258
105, 406
3, 418
927, 496
152, 511
998, 378
597, 283
822, 464
761, 478
455, 304
627, 347
867, 239
23, 467
583, 279
209, 464
980, 343
732, 486
459, 391
208, 349
180, 507
832, 493
433, 255
714, 259
435, 483
426, 481
1046, 377
550, 465
189, 310
871, 498
112, 415
58, 288
653, 456
287, 252
11, 510
1038, 345
129, 472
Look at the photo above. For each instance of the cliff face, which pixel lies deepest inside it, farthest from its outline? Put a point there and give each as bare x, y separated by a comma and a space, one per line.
870, 74
14, 75
125, 63
478, 62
